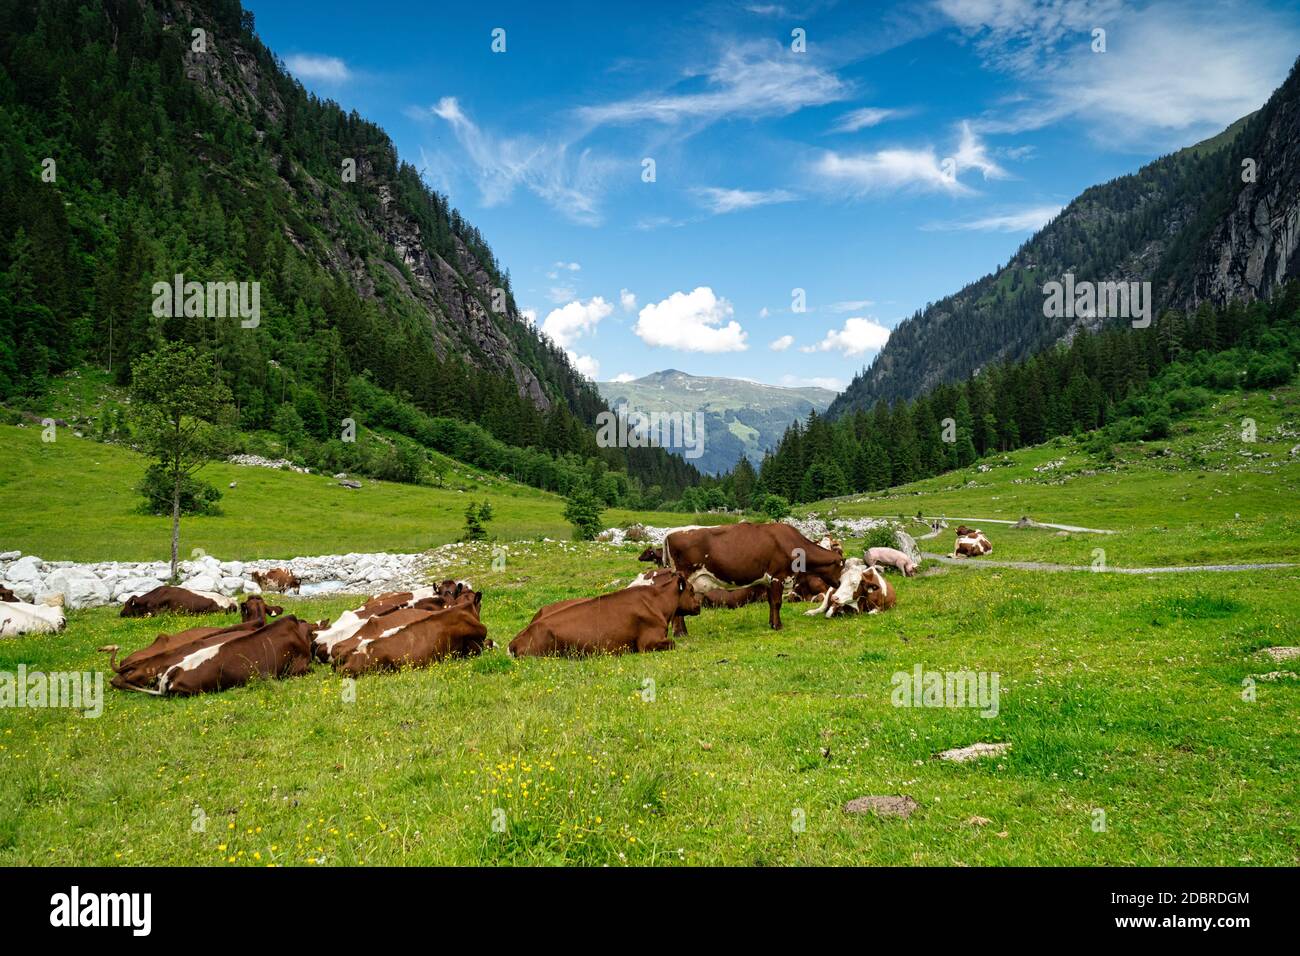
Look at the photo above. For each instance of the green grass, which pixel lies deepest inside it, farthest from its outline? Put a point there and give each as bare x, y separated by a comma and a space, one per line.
74, 500
1118, 693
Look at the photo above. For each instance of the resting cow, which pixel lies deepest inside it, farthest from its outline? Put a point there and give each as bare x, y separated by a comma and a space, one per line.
894, 558
18, 617
743, 554
633, 619
653, 555
140, 669
254, 608
277, 579
168, 599
449, 593
8, 597
734, 597
971, 543
862, 588
413, 638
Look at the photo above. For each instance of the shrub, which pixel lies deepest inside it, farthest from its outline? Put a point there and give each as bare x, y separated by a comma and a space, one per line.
775, 507
881, 536
582, 510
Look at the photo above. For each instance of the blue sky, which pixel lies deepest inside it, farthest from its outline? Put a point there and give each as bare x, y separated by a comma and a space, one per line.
906, 150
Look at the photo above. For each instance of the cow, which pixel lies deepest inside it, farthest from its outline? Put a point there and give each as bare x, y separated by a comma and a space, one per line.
279, 649
254, 608
734, 597
18, 617
971, 543
141, 668
414, 638
278, 579
745, 553
168, 599
653, 555
892, 557
8, 597
349, 622
634, 619
862, 587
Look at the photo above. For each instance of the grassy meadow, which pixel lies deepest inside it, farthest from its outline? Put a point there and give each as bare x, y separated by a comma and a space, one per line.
1128, 695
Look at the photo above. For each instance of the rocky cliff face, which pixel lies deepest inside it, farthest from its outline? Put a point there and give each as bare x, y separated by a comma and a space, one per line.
451, 295
1253, 247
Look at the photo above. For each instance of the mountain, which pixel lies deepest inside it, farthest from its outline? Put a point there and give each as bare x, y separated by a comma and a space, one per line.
1214, 222
740, 417
144, 139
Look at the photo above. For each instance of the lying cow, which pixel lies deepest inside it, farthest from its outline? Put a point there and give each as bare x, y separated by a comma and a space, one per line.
173, 600
254, 608
141, 669
413, 638
634, 619
278, 579
971, 543
18, 617
653, 555
8, 597
734, 597
892, 557
743, 554
279, 649
425, 599
862, 587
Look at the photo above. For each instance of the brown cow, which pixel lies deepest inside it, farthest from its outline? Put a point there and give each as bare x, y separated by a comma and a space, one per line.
254, 608
734, 597
277, 579
413, 638
279, 649
653, 555
168, 599
8, 597
633, 619
744, 554
425, 599
971, 543
141, 668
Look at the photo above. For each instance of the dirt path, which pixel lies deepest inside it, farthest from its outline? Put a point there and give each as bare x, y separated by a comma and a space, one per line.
1044, 566
1034, 524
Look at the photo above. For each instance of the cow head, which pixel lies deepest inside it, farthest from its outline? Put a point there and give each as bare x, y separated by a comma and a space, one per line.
653, 555
688, 602
134, 607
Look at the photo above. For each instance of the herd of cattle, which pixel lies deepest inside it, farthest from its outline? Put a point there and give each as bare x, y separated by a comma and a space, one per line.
725, 566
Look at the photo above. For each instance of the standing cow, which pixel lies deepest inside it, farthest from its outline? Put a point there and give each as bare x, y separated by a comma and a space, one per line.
743, 554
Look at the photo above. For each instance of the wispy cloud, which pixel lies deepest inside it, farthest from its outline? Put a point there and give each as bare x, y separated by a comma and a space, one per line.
781, 344
572, 183
1170, 73
719, 201
750, 79
921, 169
850, 305
323, 69
864, 118
1030, 219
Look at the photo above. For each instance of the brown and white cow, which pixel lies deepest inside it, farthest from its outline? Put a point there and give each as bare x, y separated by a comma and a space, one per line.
971, 543
634, 619
279, 649
427, 599
412, 637
892, 557
739, 555
862, 587
174, 600
19, 617
140, 669
734, 597
277, 579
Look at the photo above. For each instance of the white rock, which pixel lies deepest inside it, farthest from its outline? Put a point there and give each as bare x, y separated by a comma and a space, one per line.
202, 582
134, 586
231, 585
80, 588
10, 555
24, 569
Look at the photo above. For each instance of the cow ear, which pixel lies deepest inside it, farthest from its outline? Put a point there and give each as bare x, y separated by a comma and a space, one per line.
681, 585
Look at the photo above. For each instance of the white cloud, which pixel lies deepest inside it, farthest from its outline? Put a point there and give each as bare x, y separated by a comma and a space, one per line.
586, 365
561, 293
569, 323
622, 377
323, 69
859, 336
763, 313
1030, 219
529, 316
571, 184
919, 169
1171, 73
781, 344
792, 381
559, 267
719, 201
850, 305
627, 300
750, 80
864, 118
693, 322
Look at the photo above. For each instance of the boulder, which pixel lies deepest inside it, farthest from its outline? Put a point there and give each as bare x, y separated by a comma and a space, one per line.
80, 588
201, 582
24, 569
907, 544
10, 555
129, 587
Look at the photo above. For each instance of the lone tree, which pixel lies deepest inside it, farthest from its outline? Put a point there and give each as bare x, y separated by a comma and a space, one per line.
178, 401
582, 510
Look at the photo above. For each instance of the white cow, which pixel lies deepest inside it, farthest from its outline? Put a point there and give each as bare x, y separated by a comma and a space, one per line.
19, 618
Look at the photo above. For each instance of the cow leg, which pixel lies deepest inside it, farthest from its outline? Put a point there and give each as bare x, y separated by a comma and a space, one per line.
679, 626
654, 642
775, 587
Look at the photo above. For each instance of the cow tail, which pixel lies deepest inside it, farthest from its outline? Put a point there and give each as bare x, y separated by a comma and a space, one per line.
145, 690
668, 557
111, 650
